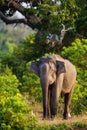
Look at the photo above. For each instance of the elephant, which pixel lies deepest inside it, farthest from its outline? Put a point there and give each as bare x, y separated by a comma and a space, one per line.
57, 78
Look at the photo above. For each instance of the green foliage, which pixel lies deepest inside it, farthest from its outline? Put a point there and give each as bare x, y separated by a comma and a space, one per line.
2, 1
14, 111
31, 84
64, 126
9, 83
80, 125
51, 14
77, 54
81, 22
17, 56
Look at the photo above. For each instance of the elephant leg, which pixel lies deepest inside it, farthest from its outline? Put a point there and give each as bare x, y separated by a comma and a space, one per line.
67, 98
49, 102
45, 102
54, 101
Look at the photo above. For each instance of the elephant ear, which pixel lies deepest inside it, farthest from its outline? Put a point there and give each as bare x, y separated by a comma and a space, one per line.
60, 66
34, 68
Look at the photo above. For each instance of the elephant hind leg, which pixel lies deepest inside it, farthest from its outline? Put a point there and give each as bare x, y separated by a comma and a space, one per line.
66, 106
67, 99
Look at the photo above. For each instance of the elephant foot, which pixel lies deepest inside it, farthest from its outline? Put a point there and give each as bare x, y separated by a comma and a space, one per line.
46, 118
52, 117
66, 116
69, 115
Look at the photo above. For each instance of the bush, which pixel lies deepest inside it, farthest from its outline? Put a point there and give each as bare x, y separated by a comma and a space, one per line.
14, 110
77, 54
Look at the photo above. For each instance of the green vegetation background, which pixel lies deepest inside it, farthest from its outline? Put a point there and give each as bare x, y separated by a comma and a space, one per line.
19, 89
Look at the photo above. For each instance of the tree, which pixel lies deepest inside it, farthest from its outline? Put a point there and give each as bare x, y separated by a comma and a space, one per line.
46, 15
40, 14
81, 22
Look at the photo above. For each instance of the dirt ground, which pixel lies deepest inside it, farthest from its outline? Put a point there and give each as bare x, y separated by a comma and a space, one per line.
37, 109
59, 120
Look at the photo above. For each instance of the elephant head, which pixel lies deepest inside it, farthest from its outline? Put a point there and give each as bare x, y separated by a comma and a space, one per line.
48, 69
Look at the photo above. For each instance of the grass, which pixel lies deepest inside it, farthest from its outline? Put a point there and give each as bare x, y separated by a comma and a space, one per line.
74, 123
64, 126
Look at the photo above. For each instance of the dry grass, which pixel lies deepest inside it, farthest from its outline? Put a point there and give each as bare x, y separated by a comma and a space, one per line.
74, 119
37, 109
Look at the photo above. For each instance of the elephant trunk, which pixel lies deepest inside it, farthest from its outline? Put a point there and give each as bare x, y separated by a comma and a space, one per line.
45, 101
44, 84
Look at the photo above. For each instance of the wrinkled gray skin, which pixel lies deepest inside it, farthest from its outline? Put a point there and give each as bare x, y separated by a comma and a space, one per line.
57, 77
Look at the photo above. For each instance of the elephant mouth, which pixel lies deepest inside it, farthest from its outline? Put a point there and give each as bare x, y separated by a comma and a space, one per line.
52, 79
52, 85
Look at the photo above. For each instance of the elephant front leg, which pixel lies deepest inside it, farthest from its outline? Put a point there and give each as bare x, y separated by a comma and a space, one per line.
54, 101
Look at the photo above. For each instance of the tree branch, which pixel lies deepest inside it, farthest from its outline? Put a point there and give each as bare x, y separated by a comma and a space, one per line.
16, 6
53, 39
30, 20
12, 21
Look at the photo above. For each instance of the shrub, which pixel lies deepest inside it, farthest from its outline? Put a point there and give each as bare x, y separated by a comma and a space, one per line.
14, 110
77, 54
